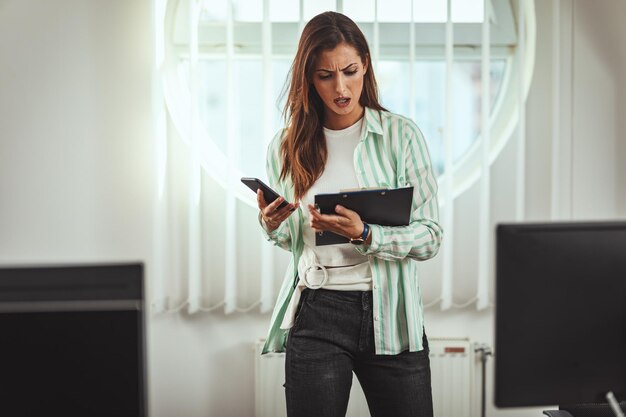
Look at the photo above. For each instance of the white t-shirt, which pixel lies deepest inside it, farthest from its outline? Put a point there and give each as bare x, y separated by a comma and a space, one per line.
338, 174
344, 269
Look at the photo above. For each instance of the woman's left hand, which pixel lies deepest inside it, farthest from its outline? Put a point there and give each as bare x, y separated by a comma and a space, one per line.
346, 222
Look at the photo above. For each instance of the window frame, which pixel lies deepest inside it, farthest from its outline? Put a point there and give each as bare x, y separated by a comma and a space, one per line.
428, 45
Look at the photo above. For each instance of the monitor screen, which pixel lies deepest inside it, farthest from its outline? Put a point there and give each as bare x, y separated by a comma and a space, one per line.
560, 313
72, 341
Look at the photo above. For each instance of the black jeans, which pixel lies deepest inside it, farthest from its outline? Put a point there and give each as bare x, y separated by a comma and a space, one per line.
333, 336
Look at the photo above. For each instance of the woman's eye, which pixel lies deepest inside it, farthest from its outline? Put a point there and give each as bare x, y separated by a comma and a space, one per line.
350, 72
325, 77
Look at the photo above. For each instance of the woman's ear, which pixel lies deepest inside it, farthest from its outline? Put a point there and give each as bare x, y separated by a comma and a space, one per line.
365, 64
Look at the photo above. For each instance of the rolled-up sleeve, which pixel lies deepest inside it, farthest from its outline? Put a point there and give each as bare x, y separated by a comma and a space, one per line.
281, 236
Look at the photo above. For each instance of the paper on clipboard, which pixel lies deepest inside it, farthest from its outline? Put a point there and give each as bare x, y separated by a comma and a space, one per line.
375, 206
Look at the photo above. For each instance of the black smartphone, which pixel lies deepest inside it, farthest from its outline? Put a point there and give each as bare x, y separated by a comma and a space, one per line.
269, 194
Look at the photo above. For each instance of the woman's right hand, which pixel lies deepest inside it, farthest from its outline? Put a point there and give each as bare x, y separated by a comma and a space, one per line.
271, 214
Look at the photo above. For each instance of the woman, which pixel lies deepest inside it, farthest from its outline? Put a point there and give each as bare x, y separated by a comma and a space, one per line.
352, 307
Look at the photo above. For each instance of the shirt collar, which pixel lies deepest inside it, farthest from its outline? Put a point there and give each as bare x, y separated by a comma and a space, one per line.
373, 121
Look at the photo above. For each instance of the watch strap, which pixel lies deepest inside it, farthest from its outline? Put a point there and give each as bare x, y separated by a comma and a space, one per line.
361, 239
366, 231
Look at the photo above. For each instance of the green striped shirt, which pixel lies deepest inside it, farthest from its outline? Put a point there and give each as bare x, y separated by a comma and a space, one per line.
392, 153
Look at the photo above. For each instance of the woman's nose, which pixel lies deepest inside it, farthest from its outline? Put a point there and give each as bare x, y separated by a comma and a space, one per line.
340, 85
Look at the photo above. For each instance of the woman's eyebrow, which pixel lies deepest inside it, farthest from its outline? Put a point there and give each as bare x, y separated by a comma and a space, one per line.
343, 69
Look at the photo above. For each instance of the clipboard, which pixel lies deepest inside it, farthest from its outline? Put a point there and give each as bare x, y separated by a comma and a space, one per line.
380, 206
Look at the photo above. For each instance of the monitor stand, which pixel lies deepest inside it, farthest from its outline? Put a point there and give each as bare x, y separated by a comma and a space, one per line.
584, 410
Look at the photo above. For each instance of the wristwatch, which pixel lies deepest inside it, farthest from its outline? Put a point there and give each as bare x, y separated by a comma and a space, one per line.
359, 240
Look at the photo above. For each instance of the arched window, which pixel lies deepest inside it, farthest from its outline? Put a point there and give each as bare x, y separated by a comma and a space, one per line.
225, 63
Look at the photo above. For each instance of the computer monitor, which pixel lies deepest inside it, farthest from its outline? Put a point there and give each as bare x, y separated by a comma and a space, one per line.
560, 313
72, 341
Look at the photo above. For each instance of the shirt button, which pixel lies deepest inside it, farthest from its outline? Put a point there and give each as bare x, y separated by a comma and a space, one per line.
375, 286
375, 318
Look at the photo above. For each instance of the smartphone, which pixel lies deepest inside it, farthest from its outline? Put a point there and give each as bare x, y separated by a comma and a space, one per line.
270, 195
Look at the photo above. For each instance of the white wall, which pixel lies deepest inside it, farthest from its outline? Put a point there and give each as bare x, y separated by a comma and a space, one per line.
599, 112
592, 122
76, 173
75, 182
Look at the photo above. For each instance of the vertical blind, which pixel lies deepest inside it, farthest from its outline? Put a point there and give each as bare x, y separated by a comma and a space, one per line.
210, 269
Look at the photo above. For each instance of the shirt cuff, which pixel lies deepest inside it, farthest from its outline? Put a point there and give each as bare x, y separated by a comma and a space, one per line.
377, 234
268, 235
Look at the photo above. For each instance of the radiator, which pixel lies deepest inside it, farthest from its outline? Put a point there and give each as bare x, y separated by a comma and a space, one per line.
452, 363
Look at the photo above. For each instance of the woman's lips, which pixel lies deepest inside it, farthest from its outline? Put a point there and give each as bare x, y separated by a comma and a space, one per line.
342, 101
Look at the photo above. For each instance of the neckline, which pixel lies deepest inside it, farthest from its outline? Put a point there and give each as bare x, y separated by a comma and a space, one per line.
345, 131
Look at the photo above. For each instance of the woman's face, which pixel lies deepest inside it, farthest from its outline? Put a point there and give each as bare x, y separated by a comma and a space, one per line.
338, 79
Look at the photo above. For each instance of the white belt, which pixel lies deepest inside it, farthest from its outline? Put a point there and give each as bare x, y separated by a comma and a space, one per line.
317, 276
314, 275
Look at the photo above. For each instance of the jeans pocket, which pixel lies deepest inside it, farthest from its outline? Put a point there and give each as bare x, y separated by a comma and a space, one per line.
300, 309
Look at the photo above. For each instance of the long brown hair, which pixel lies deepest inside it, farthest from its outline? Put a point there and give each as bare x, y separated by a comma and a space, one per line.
303, 149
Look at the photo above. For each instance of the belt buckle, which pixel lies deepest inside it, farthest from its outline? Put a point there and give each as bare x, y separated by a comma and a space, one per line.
306, 281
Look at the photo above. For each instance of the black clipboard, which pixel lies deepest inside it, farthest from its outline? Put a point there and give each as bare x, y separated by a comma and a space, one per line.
383, 207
